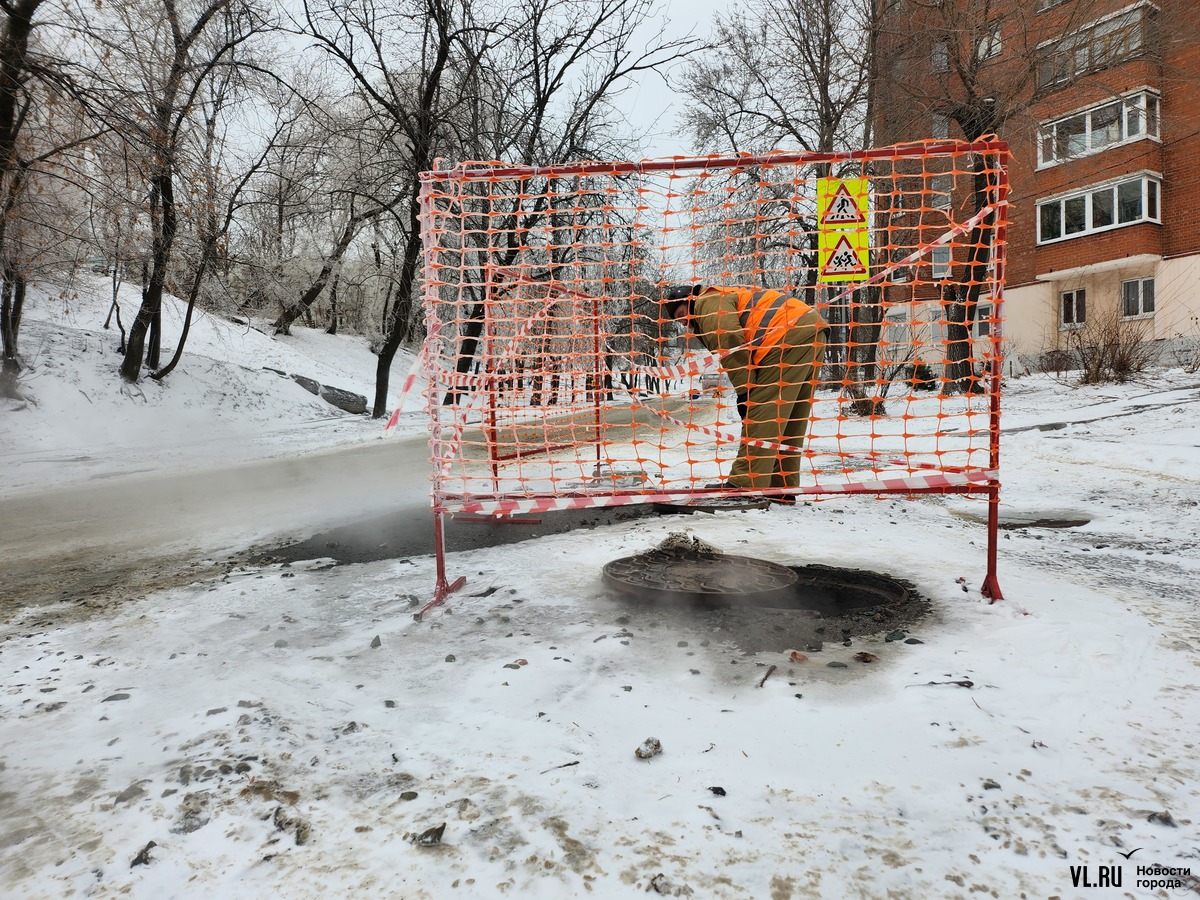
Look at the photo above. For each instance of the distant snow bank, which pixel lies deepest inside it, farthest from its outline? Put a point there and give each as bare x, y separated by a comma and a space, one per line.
222, 405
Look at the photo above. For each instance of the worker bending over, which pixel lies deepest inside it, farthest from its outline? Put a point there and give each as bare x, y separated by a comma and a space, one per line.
774, 377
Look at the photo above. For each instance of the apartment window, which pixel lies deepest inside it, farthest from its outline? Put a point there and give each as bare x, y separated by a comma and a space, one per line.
939, 57
989, 42
941, 186
937, 332
1046, 4
1072, 309
1137, 298
940, 126
898, 334
899, 274
983, 320
1099, 209
890, 6
939, 258
1127, 35
1131, 118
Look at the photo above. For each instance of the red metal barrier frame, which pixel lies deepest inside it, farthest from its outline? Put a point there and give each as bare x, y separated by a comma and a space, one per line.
990, 587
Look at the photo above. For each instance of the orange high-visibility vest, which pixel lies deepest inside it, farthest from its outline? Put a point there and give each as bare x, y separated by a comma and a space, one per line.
766, 315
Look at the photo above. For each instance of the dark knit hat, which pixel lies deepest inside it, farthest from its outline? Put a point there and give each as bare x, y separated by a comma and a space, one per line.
674, 294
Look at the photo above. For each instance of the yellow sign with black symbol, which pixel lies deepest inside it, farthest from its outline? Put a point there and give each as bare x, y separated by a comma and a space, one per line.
843, 238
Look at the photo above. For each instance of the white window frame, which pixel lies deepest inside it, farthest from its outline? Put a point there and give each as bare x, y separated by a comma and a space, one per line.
1078, 300
939, 57
1139, 117
989, 43
1092, 209
1140, 285
941, 261
939, 127
983, 320
942, 188
1096, 46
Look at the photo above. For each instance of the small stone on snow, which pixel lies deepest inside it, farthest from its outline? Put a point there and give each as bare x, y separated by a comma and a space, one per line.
649, 748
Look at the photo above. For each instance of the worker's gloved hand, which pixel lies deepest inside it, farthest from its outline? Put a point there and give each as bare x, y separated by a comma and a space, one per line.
743, 401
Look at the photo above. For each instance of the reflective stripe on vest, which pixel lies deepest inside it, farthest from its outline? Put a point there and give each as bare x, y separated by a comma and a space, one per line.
768, 315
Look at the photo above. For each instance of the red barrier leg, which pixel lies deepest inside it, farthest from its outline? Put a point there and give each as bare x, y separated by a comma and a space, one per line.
991, 585
443, 588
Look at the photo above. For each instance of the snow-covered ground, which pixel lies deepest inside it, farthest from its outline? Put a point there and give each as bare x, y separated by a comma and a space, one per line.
292, 731
222, 405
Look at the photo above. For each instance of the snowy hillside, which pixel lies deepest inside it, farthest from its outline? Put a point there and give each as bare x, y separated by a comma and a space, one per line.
223, 394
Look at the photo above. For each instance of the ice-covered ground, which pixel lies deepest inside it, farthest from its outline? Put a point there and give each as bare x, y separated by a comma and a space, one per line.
291, 730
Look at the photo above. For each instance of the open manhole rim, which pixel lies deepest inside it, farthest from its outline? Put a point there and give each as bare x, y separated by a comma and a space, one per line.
891, 592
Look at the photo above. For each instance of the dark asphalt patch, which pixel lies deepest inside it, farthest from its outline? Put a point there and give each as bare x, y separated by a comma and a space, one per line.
404, 534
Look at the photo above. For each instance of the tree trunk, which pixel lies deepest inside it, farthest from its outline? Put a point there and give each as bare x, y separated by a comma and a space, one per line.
206, 259
400, 309
961, 377
958, 342
115, 309
154, 338
387, 302
467, 349
8, 325
866, 316
333, 310
149, 312
283, 324
14, 49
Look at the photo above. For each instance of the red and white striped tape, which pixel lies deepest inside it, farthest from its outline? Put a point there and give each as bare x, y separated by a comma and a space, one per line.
448, 379
411, 378
508, 506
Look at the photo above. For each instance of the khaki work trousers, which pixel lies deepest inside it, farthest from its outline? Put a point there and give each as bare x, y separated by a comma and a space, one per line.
779, 407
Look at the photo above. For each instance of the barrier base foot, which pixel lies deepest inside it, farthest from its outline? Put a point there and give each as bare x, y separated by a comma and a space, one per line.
991, 589
440, 593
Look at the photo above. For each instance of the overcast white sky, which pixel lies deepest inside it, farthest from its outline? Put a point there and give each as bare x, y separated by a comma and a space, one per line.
654, 106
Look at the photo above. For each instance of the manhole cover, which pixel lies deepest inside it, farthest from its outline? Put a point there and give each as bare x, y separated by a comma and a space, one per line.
715, 580
708, 579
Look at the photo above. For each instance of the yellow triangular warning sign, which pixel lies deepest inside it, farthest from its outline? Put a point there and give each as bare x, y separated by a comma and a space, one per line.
843, 209
844, 260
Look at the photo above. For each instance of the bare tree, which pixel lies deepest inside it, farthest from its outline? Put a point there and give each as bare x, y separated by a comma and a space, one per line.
15, 27
356, 167
808, 91
219, 192
367, 42
545, 94
34, 133
152, 68
812, 91
981, 64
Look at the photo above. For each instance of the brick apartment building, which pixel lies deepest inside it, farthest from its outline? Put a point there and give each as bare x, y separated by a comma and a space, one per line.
1099, 101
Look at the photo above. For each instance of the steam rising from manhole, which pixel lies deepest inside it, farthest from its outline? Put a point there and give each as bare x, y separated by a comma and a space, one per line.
684, 570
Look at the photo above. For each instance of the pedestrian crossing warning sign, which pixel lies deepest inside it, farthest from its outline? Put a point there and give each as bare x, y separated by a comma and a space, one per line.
843, 240
842, 202
844, 256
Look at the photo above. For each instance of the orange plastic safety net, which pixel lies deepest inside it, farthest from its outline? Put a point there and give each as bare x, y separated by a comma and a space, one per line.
556, 378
